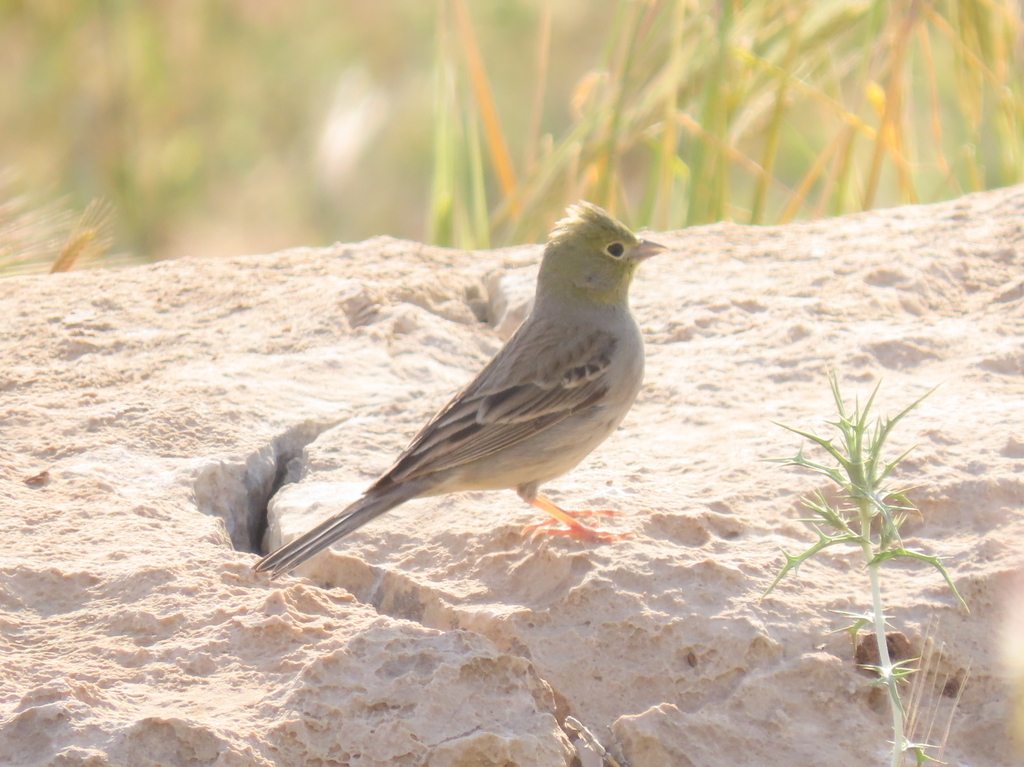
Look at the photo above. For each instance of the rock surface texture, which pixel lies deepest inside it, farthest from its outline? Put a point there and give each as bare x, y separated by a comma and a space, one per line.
190, 413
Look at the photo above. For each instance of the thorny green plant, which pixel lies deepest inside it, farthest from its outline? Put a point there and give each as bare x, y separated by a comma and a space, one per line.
868, 515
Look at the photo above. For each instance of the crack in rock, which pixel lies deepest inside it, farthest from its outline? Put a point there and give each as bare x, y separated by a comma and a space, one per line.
238, 489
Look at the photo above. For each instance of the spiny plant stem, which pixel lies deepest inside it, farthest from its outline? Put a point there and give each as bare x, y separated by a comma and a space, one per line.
862, 476
884, 662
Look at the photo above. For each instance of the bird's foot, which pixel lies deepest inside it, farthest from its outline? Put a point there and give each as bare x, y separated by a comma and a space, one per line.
578, 514
577, 532
573, 528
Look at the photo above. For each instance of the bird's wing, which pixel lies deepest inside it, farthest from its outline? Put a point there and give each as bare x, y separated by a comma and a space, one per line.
512, 399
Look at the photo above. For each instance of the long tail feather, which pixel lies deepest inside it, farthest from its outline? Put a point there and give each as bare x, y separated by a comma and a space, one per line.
356, 515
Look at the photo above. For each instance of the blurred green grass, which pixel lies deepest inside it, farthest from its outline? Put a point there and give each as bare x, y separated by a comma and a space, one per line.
232, 126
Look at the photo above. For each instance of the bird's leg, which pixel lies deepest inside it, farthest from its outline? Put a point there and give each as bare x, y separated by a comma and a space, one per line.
568, 518
575, 515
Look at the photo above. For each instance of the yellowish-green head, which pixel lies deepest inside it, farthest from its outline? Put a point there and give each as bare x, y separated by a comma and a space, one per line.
591, 257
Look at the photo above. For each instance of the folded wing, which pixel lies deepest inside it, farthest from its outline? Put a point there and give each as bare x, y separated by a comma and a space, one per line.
483, 419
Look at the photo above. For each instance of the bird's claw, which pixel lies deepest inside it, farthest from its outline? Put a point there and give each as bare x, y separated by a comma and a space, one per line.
577, 532
575, 515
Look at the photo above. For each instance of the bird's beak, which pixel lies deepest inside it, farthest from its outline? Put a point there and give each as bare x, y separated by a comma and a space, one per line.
645, 249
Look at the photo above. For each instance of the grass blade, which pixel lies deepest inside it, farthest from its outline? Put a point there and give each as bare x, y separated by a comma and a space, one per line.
493, 132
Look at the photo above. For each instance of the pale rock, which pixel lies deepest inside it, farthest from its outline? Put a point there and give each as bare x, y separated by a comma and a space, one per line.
172, 405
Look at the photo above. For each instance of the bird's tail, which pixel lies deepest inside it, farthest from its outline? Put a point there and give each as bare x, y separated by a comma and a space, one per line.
371, 505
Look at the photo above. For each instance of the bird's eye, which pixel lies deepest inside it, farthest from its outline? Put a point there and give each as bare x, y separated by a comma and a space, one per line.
615, 250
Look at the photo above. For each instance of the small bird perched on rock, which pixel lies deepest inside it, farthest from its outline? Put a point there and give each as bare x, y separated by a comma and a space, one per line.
560, 385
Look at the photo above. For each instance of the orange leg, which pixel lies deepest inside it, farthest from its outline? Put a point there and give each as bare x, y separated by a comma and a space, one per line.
572, 527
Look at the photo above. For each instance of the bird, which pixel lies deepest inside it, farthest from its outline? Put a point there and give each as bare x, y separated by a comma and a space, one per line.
560, 385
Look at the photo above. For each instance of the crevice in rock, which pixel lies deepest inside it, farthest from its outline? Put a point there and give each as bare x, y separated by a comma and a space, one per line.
238, 490
506, 299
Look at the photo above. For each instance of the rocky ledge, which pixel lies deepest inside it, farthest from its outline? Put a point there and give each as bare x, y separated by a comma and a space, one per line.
160, 425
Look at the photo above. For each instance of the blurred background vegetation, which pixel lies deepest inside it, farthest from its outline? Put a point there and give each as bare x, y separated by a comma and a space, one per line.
142, 131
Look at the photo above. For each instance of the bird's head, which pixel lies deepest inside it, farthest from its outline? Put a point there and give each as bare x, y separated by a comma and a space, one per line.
591, 257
